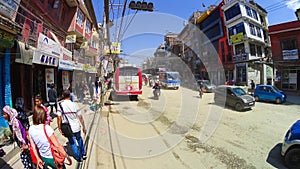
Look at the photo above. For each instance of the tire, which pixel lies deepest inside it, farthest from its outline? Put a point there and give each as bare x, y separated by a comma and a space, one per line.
278, 100
256, 98
292, 158
238, 107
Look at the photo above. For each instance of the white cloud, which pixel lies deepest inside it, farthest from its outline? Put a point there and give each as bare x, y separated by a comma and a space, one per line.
293, 4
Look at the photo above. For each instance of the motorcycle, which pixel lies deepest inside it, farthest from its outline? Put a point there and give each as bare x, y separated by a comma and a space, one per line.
156, 94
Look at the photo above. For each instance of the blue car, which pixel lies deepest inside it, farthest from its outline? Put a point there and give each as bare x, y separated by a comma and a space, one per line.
269, 93
290, 149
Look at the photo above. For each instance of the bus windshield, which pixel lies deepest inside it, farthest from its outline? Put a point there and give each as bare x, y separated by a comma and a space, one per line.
128, 71
173, 75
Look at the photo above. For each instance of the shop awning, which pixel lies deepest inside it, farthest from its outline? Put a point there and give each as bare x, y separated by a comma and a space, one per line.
25, 54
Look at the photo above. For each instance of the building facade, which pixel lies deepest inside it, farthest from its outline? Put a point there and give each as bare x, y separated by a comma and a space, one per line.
246, 24
285, 40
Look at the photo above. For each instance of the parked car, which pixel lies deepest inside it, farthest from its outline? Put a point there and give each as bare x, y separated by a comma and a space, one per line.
233, 96
207, 86
269, 93
290, 149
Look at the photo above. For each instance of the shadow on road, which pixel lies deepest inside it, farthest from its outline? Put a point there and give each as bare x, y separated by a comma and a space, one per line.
274, 158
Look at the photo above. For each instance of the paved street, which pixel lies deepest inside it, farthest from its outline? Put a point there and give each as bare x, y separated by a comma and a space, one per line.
180, 130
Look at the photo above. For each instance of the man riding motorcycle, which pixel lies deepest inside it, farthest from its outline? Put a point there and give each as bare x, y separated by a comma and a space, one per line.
156, 91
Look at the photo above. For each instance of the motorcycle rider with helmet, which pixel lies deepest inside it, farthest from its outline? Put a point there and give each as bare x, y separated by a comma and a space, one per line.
156, 91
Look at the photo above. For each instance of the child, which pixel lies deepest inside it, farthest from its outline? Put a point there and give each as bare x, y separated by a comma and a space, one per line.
39, 102
18, 130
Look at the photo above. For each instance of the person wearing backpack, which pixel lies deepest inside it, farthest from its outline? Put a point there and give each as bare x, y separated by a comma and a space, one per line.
22, 116
10, 114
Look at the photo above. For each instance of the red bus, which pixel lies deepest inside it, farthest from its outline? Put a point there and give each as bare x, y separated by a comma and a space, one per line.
128, 81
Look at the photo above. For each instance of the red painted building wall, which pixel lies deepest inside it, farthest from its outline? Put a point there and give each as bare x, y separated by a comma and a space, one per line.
280, 32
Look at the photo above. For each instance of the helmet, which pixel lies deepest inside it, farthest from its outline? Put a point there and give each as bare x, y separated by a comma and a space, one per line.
156, 83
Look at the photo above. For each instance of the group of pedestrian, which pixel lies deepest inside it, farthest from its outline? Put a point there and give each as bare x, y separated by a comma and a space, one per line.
35, 141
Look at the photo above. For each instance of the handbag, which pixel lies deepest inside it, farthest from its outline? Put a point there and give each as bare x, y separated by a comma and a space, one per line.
33, 157
58, 156
65, 127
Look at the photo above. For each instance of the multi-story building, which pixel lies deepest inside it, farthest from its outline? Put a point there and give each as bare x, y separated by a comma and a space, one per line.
206, 49
246, 24
43, 47
285, 40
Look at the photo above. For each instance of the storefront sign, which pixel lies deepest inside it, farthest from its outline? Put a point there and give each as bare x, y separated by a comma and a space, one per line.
240, 57
66, 65
78, 66
65, 54
9, 8
237, 37
47, 45
44, 59
290, 54
115, 48
71, 39
6, 39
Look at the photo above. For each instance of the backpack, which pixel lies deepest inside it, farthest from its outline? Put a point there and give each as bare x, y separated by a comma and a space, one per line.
22, 116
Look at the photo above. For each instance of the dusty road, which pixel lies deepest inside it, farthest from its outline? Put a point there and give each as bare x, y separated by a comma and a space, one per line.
182, 131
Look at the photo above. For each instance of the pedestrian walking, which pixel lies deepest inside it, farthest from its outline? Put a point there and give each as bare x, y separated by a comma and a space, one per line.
69, 111
52, 96
97, 85
91, 88
39, 102
19, 133
82, 89
252, 85
40, 142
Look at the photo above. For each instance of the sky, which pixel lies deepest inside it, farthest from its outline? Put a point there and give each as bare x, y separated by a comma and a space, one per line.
142, 32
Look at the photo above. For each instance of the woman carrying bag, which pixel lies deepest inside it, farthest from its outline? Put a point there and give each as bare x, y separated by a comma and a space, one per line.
43, 142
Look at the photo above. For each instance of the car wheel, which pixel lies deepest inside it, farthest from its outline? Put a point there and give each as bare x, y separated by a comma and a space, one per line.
278, 100
256, 98
238, 107
292, 158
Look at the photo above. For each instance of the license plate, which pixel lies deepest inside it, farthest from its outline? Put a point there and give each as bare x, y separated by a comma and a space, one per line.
251, 103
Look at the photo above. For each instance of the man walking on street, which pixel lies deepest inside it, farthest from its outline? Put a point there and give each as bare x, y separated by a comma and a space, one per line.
52, 95
69, 111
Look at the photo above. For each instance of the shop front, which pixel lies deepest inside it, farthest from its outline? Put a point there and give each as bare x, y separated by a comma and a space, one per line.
288, 78
45, 59
22, 75
65, 71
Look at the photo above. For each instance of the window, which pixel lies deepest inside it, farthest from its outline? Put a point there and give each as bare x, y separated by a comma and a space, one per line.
128, 71
240, 48
289, 79
88, 27
258, 51
258, 31
238, 28
255, 50
80, 18
254, 14
232, 12
289, 44
252, 29
248, 10
252, 50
